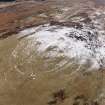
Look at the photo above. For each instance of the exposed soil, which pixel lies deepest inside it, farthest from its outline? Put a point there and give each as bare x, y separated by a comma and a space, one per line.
16, 16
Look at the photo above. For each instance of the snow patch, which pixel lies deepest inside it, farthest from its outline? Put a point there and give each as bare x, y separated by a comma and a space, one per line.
86, 46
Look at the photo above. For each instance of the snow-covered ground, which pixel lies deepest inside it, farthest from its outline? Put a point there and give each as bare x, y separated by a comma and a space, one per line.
85, 45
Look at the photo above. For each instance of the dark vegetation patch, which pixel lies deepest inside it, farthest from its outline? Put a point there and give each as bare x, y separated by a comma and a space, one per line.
81, 98
68, 24
58, 96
